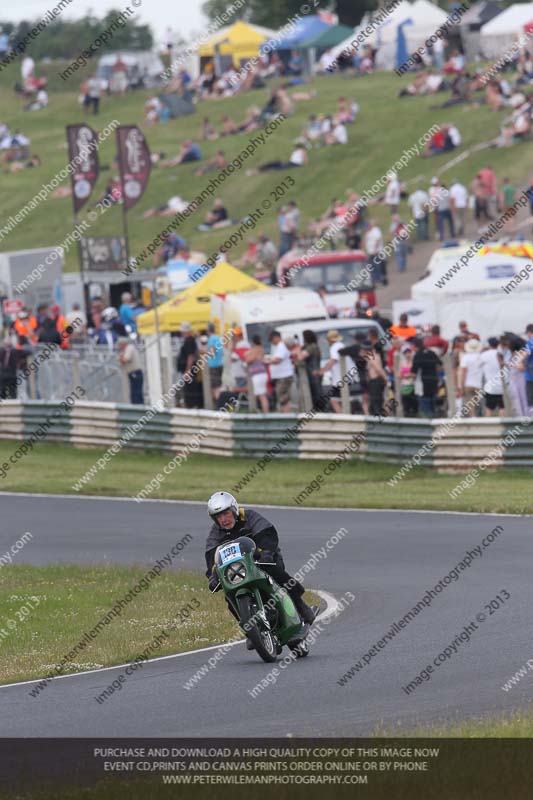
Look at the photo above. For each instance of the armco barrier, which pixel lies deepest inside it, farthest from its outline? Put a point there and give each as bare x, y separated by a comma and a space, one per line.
449, 445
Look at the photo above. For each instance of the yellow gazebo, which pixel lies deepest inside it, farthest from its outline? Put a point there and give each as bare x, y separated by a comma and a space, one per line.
240, 40
194, 304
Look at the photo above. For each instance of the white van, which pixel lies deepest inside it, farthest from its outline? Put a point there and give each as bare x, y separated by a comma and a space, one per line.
261, 311
292, 333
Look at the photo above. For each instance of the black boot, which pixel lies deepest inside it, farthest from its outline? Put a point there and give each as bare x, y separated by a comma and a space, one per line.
307, 613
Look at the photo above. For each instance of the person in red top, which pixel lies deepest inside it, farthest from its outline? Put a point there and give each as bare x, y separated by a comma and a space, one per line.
435, 342
403, 329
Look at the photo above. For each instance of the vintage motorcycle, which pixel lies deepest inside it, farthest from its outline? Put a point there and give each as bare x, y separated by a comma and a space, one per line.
264, 609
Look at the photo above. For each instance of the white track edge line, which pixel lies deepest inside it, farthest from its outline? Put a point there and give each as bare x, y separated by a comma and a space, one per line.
332, 607
263, 505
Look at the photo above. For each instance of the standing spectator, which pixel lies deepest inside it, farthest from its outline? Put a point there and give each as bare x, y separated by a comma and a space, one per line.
215, 363
310, 353
48, 333
126, 312
27, 68
130, 360
239, 349
513, 364
360, 363
392, 192
459, 203
377, 378
187, 359
373, 244
400, 236
377, 344
407, 382
26, 325
403, 329
426, 369
9, 358
92, 94
435, 342
507, 198
281, 371
255, 358
289, 226
470, 378
434, 197
488, 177
4, 42
479, 190
444, 213
491, 365
77, 319
438, 53
528, 364
266, 257
418, 202
464, 332
335, 346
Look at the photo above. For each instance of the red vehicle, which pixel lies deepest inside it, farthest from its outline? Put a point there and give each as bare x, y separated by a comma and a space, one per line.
341, 273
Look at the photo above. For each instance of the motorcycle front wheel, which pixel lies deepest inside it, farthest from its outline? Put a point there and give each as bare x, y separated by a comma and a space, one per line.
261, 637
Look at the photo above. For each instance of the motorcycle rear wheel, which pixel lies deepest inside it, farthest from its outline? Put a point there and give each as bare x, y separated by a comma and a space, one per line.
262, 638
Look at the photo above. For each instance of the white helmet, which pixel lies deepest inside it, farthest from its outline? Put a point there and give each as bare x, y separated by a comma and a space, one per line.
221, 501
109, 314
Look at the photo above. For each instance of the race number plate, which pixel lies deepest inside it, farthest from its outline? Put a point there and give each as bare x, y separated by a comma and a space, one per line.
231, 552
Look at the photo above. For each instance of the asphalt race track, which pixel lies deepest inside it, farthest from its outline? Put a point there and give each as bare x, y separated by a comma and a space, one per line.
387, 560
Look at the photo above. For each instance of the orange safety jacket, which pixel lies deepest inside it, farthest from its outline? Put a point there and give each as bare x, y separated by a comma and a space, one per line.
61, 326
26, 328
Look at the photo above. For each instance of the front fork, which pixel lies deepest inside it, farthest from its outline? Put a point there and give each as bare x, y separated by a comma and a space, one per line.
260, 614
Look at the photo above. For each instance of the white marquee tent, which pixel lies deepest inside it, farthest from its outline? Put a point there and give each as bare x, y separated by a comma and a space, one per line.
475, 293
501, 32
425, 16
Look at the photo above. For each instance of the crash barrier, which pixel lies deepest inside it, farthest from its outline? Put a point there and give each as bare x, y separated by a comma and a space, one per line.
446, 444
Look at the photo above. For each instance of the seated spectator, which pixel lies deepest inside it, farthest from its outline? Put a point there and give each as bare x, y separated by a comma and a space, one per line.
338, 135
252, 120
519, 125
494, 96
18, 166
296, 63
172, 245
40, 102
346, 112
228, 126
455, 64
452, 137
156, 111
249, 257
218, 162
207, 131
189, 152
173, 205
217, 217
312, 130
298, 158
112, 192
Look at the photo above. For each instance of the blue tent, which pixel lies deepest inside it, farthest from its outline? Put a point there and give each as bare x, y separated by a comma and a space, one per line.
305, 29
402, 53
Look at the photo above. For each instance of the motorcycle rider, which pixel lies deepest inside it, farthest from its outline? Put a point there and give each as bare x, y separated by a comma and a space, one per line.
230, 522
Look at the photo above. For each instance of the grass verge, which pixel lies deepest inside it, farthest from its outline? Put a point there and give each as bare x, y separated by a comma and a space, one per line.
54, 469
63, 602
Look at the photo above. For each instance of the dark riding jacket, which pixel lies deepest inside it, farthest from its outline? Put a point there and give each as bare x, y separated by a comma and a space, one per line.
250, 523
